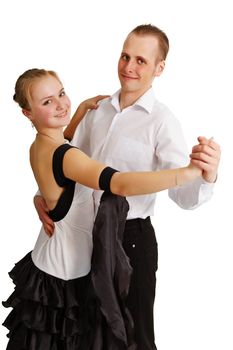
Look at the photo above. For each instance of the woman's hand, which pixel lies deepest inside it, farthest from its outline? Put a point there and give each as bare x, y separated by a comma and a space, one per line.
187, 174
194, 171
92, 103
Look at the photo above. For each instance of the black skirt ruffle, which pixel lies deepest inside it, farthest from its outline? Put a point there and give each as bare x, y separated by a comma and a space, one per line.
87, 313
48, 312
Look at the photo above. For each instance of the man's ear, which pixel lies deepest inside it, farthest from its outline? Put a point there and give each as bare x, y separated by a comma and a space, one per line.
159, 68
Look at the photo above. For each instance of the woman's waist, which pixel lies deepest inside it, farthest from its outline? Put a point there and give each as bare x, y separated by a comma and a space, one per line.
64, 258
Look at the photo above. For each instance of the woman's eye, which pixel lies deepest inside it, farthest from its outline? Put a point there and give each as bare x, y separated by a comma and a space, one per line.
47, 102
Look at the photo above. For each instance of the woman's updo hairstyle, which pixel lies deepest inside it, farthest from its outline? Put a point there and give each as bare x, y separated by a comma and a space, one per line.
24, 83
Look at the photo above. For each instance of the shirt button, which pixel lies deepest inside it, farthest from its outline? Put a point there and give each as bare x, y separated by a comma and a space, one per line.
133, 245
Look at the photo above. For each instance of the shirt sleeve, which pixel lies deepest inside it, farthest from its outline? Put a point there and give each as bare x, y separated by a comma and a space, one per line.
172, 152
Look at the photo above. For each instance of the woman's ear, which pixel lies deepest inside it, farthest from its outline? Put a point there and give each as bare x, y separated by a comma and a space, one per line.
27, 113
159, 68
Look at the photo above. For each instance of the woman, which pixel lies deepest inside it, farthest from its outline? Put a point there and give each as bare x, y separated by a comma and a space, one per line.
53, 302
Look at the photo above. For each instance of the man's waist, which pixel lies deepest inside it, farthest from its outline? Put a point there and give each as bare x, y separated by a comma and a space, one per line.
139, 206
136, 222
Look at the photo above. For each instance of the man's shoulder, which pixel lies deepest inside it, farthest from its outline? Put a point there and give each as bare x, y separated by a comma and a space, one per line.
105, 101
162, 111
103, 105
162, 117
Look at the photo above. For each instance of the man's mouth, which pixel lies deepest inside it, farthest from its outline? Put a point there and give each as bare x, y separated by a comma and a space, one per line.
126, 76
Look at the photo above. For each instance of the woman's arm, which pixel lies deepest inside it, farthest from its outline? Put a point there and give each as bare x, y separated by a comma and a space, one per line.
91, 103
80, 168
137, 183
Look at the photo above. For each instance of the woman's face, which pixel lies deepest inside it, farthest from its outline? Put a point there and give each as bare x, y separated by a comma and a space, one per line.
50, 107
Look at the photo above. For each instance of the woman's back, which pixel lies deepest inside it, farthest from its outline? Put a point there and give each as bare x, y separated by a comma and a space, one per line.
41, 159
67, 254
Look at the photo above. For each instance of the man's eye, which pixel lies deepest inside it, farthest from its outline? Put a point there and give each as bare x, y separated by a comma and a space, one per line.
125, 58
140, 61
62, 93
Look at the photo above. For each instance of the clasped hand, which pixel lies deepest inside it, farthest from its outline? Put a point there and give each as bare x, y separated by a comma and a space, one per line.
206, 156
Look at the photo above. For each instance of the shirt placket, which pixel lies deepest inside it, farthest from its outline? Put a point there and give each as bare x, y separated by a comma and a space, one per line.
109, 133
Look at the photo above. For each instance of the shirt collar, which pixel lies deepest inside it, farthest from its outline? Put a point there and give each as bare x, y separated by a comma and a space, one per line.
115, 100
146, 101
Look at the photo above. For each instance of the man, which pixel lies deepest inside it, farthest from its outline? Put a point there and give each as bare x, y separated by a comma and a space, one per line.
133, 131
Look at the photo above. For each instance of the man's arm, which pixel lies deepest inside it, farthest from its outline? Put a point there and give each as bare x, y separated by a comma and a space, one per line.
172, 152
42, 211
206, 155
91, 103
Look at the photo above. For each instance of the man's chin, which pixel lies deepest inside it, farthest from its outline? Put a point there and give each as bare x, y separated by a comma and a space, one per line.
129, 87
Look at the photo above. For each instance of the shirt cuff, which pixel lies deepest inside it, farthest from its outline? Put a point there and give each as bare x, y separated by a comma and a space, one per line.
211, 184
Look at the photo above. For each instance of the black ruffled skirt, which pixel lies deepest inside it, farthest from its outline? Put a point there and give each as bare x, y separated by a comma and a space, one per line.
87, 313
48, 312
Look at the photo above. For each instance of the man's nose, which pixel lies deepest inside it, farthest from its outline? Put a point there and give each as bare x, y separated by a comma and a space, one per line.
130, 66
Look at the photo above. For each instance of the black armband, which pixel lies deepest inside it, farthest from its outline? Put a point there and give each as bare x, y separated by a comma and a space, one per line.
105, 178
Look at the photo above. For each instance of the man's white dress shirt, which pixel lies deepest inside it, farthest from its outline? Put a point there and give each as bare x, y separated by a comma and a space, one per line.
143, 137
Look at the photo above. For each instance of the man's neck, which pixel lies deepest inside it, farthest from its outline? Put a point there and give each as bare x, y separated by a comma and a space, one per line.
127, 99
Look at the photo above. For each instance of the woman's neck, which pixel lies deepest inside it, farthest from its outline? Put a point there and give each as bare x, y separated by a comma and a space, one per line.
51, 135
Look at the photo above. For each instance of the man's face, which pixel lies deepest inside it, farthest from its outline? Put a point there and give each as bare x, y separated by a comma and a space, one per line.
139, 63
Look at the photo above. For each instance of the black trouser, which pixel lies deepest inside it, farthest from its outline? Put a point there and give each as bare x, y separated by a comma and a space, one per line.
141, 247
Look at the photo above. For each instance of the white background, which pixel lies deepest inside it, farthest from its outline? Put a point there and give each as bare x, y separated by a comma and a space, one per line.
82, 42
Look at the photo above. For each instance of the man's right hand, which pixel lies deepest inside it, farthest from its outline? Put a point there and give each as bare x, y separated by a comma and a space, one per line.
42, 210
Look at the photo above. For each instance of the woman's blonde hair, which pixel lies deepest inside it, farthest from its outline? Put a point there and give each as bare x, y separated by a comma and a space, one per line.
24, 83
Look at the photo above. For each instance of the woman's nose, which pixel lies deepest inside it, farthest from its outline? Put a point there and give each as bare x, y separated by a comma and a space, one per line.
59, 105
